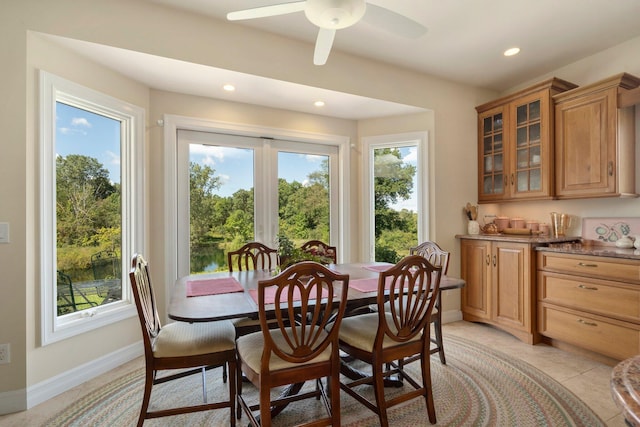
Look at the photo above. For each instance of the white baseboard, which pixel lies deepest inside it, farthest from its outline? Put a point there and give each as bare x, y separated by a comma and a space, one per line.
451, 316
14, 400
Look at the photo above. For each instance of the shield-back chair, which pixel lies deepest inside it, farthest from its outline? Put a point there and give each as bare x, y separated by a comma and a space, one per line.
180, 346
386, 336
303, 347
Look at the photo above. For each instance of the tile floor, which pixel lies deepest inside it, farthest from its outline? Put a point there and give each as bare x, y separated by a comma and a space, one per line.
586, 378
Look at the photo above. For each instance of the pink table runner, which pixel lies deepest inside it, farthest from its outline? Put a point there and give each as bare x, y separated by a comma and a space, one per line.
270, 294
377, 267
224, 285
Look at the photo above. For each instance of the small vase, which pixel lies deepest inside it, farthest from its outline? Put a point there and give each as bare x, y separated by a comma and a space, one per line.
473, 227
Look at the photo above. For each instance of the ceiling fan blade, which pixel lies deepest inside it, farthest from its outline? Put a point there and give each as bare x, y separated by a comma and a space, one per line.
264, 11
323, 45
393, 22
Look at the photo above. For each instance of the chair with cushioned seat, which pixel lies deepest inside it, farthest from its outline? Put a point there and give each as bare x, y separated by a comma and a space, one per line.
321, 250
303, 346
251, 256
439, 257
178, 346
386, 336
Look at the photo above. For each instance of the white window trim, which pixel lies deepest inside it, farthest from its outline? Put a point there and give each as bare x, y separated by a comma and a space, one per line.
171, 125
52, 89
423, 188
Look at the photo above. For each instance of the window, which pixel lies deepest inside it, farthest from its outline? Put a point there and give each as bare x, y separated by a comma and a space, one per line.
395, 199
91, 206
268, 143
234, 189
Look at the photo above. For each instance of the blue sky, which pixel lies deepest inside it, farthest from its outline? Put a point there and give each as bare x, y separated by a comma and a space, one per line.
235, 165
81, 132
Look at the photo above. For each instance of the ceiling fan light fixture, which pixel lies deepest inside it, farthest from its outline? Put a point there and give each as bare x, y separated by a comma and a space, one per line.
335, 14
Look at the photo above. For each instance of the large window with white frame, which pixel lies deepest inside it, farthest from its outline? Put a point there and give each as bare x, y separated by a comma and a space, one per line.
234, 189
395, 199
187, 139
91, 166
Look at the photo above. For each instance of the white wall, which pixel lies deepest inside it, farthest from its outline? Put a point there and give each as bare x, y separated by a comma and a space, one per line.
151, 28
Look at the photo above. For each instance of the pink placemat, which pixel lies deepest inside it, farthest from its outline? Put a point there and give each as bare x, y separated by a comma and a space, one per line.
270, 295
377, 267
368, 285
223, 285
364, 285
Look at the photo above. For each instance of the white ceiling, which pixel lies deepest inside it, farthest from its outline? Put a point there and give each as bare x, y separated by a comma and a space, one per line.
464, 42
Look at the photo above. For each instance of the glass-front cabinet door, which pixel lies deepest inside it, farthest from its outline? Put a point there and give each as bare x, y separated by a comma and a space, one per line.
515, 140
492, 155
531, 151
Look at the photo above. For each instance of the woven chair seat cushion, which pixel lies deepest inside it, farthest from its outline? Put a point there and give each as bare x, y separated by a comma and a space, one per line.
250, 348
179, 339
360, 331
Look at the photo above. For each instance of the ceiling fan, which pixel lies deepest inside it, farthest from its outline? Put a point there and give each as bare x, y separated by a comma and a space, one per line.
332, 15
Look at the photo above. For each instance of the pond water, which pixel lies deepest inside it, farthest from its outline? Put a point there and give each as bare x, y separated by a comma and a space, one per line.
208, 259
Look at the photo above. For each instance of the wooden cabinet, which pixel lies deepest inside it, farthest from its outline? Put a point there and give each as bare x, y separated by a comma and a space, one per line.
498, 290
595, 140
515, 144
590, 302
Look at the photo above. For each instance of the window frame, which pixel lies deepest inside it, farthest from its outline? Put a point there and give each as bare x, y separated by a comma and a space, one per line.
55, 89
172, 123
421, 141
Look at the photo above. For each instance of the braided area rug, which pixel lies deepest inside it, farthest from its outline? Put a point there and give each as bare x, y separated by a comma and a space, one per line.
479, 386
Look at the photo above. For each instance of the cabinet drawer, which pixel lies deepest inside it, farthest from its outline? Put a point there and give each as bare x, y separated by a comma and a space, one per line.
591, 266
592, 295
605, 336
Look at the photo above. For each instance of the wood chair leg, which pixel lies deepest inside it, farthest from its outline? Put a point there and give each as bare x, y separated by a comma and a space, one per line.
265, 409
239, 390
233, 381
437, 326
378, 386
428, 391
148, 384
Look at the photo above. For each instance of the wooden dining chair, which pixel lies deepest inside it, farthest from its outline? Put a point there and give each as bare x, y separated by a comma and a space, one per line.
303, 347
180, 346
252, 256
384, 337
439, 257
321, 249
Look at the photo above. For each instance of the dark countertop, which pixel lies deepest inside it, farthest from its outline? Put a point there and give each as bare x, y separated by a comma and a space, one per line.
567, 245
594, 250
519, 238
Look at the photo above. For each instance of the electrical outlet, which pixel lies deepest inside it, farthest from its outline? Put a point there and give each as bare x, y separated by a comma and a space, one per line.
5, 353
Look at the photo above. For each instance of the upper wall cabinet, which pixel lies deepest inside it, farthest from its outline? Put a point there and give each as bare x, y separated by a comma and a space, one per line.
515, 144
595, 140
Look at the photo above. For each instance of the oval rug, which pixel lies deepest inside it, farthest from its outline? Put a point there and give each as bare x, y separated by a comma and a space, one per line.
479, 386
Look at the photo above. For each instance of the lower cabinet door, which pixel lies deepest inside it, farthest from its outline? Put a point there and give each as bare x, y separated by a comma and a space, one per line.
616, 339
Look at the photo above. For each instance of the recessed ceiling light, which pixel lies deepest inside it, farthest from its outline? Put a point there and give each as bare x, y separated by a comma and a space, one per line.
319, 103
512, 51
229, 87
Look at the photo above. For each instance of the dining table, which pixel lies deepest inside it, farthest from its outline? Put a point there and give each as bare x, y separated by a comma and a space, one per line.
210, 297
